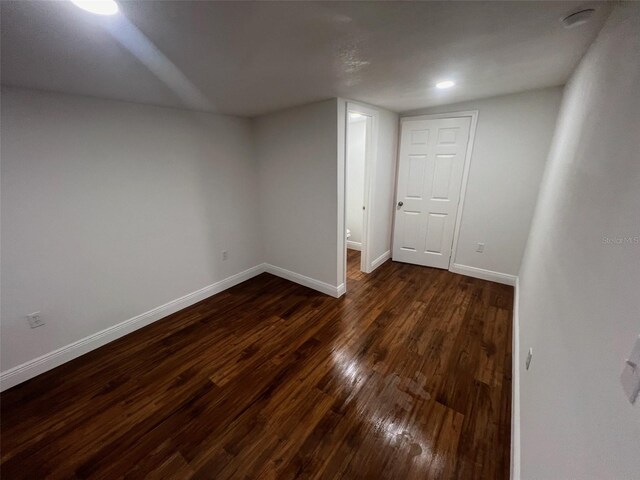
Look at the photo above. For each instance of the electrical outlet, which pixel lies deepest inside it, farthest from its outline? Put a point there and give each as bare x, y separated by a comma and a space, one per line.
529, 357
480, 248
35, 320
225, 255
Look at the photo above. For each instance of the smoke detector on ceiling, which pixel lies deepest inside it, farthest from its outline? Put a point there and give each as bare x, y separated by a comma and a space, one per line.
577, 18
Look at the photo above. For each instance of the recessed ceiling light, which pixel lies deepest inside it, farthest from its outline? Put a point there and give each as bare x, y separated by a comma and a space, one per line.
445, 84
100, 7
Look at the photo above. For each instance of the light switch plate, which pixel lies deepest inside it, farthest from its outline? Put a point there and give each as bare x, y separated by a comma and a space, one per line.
630, 377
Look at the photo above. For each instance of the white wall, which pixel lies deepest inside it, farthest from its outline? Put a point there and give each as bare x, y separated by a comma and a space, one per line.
382, 200
579, 296
512, 141
297, 151
110, 209
356, 142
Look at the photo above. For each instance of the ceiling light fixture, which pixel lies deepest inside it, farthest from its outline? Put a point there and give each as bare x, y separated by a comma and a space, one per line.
99, 7
445, 84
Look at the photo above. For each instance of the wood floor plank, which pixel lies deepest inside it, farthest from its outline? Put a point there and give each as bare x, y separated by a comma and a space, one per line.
406, 376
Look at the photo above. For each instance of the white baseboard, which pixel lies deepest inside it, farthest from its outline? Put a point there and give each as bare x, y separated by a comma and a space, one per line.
483, 274
380, 260
515, 387
305, 281
354, 245
32, 368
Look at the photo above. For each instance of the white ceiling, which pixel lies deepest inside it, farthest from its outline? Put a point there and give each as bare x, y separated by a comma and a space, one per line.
249, 58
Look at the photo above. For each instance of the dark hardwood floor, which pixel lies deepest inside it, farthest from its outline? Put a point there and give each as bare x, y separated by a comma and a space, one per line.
407, 376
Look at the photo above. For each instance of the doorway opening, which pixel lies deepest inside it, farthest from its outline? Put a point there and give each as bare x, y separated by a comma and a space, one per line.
360, 158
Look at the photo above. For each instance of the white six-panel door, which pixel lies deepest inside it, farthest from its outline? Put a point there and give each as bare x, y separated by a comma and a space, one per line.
431, 164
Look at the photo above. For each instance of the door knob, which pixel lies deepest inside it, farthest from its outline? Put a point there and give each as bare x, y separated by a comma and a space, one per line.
400, 204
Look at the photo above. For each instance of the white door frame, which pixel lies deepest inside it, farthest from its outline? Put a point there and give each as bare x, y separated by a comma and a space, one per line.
473, 114
371, 156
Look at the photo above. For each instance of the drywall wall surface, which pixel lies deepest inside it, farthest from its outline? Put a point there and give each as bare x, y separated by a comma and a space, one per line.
580, 280
511, 144
110, 209
382, 198
297, 151
356, 143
